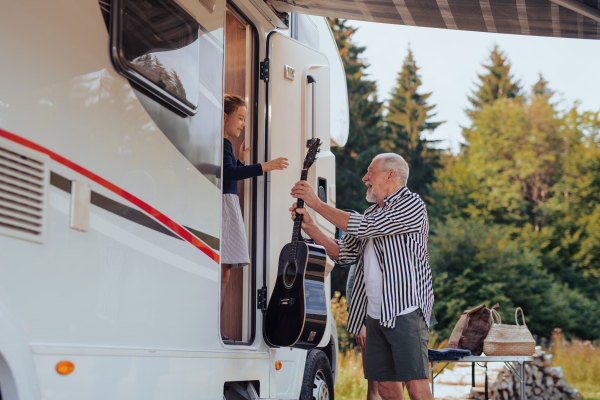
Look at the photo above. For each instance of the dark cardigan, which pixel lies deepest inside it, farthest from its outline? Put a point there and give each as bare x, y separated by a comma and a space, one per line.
234, 171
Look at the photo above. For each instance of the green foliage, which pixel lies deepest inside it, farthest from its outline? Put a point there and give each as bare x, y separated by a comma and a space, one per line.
475, 262
496, 84
514, 217
575, 208
515, 150
365, 112
541, 88
366, 119
407, 120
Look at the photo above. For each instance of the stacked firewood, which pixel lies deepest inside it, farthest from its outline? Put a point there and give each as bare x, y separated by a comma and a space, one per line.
542, 382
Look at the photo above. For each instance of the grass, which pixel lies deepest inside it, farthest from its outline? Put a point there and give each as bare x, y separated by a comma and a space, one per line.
351, 383
580, 361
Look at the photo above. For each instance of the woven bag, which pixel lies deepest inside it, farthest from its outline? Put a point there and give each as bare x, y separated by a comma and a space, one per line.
470, 330
509, 340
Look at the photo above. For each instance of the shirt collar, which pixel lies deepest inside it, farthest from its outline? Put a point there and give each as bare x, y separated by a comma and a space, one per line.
401, 192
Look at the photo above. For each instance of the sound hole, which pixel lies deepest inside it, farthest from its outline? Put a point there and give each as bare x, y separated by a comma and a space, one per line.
289, 275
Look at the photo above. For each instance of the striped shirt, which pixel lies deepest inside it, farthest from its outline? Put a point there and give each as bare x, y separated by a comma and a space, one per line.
399, 231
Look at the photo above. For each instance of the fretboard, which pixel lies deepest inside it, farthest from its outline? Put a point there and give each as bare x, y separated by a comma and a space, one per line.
296, 234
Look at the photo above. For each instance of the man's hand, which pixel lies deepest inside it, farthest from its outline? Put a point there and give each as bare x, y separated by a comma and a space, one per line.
308, 224
302, 190
242, 153
361, 338
311, 229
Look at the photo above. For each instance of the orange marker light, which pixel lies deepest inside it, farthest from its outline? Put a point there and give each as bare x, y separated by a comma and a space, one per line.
65, 367
278, 365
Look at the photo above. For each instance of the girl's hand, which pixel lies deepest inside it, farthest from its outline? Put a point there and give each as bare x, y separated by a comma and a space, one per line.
243, 152
279, 164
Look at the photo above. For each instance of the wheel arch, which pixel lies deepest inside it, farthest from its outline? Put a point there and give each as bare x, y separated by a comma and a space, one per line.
18, 376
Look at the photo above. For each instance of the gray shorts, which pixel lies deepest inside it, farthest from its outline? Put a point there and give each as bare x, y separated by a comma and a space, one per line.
398, 354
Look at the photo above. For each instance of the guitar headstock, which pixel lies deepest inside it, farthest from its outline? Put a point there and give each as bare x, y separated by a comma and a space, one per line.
311, 154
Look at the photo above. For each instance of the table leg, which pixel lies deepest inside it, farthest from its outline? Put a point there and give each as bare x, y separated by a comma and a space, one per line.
432, 378
487, 395
522, 373
473, 374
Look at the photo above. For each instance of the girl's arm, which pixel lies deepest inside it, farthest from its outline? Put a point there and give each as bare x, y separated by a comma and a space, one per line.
235, 171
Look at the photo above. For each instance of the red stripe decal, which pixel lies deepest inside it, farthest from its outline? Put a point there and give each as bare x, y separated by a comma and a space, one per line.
101, 181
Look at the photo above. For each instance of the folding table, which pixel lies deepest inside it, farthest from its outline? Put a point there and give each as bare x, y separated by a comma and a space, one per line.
507, 360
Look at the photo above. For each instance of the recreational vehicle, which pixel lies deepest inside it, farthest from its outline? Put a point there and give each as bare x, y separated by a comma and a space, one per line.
111, 141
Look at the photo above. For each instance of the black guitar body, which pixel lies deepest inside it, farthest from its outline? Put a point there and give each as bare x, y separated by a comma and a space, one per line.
297, 311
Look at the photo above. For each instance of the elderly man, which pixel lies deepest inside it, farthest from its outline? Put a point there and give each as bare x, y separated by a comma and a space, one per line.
392, 293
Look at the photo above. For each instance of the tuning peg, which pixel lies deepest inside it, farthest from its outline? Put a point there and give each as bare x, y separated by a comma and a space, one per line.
319, 150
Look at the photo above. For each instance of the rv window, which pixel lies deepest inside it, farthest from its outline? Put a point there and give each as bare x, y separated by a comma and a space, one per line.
155, 44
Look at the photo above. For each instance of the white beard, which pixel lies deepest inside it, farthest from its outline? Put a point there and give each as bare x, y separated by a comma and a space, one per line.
371, 196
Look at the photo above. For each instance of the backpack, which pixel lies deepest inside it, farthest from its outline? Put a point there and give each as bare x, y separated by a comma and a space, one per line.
471, 329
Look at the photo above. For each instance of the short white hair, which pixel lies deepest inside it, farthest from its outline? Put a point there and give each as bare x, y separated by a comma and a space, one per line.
392, 161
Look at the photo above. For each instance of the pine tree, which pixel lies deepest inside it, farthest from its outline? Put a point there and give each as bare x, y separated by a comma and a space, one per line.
541, 88
496, 84
408, 119
365, 113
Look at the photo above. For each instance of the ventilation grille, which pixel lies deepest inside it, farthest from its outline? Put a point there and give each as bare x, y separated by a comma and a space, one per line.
23, 187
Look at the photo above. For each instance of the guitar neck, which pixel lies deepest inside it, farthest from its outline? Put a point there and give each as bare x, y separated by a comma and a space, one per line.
296, 234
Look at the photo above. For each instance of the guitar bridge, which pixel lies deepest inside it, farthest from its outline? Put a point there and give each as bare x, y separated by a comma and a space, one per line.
286, 302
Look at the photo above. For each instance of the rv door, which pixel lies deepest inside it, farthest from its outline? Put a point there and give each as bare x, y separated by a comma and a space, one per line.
297, 81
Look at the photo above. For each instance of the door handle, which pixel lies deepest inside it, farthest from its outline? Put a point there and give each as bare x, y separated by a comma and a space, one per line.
311, 81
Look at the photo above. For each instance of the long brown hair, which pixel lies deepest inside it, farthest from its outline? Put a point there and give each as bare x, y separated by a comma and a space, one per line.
232, 103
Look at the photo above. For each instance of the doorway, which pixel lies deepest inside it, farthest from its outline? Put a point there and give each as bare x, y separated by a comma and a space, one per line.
237, 311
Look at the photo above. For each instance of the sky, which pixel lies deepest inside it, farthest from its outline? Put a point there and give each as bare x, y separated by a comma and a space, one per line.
449, 62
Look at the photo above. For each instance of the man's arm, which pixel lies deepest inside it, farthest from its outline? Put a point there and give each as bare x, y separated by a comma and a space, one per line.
302, 190
316, 234
402, 218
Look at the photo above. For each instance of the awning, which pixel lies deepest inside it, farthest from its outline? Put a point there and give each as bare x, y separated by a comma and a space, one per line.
558, 18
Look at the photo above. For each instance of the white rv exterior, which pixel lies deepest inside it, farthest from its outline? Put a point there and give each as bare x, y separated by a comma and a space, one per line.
110, 200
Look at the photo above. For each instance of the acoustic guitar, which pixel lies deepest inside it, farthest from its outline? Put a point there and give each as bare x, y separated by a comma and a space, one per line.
297, 311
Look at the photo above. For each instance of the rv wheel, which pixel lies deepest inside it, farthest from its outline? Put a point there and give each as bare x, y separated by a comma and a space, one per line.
318, 380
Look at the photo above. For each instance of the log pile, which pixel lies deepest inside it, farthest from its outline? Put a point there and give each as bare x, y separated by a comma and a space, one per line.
542, 382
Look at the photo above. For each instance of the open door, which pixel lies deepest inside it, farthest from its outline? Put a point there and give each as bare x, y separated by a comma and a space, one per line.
298, 107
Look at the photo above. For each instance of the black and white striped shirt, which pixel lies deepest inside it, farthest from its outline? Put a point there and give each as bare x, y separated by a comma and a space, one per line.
399, 231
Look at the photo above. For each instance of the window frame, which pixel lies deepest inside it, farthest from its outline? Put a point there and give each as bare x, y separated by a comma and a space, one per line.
139, 80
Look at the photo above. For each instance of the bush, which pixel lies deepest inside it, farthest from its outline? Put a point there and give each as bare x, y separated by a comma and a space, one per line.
475, 262
339, 309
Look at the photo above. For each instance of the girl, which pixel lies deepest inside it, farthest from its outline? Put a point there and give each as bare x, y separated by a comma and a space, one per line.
235, 246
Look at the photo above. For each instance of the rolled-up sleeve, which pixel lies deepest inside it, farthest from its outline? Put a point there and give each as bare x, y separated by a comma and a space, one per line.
349, 249
405, 217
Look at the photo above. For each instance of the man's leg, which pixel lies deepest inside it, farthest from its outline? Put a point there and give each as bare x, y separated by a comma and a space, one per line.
373, 391
419, 389
391, 390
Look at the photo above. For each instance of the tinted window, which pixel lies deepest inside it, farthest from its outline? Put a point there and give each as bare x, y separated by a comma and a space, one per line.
156, 43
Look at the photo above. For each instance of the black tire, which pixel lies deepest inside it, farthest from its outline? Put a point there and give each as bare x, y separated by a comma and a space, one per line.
317, 383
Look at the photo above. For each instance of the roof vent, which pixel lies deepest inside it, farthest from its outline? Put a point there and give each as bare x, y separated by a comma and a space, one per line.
23, 192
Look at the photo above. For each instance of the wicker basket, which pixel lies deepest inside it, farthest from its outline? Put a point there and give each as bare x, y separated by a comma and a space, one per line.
509, 340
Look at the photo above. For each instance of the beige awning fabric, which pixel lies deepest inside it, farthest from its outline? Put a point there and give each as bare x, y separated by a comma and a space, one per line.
558, 18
